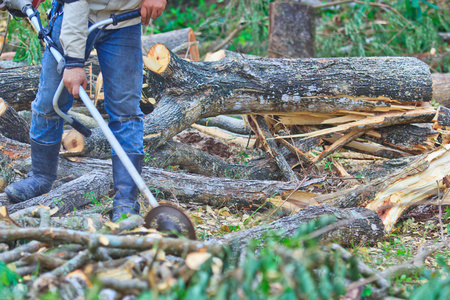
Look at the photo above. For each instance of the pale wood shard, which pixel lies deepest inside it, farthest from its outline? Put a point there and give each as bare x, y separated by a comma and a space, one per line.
412, 190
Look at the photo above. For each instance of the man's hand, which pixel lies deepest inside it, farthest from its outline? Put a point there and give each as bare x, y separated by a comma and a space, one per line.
73, 78
151, 9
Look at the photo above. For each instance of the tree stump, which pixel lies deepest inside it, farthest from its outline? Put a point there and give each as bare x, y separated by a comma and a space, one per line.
291, 30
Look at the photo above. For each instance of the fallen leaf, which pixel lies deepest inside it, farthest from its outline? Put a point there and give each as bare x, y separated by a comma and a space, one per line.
194, 260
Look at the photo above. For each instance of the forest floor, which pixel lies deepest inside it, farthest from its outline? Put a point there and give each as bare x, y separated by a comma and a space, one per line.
418, 226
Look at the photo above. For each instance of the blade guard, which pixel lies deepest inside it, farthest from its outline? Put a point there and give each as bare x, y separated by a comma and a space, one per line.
151, 219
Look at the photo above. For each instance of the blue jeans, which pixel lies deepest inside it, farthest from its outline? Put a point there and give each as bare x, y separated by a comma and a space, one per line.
120, 57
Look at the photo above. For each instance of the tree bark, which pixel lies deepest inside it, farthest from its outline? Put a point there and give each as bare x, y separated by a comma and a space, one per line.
353, 226
407, 138
19, 86
12, 125
227, 123
291, 30
70, 196
199, 162
191, 188
188, 91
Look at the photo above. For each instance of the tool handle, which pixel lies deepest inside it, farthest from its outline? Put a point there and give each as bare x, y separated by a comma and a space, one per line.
125, 16
81, 128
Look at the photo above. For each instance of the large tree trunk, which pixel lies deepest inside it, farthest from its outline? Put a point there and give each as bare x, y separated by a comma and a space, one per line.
12, 125
187, 91
190, 188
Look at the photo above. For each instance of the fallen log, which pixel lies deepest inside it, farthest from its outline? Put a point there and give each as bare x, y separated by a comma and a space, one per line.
199, 162
260, 86
19, 86
188, 91
353, 226
192, 188
70, 196
407, 138
12, 125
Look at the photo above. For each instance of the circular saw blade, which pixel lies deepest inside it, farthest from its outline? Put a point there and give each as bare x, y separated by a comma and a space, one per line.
168, 218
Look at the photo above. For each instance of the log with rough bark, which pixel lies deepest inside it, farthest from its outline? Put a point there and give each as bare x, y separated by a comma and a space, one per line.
227, 123
199, 162
189, 91
291, 30
173, 40
12, 125
353, 226
18, 86
70, 196
192, 188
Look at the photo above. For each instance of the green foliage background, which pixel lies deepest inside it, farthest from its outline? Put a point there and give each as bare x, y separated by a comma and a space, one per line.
361, 28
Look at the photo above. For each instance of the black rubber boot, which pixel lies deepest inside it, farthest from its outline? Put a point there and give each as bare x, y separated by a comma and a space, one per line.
126, 191
44, 168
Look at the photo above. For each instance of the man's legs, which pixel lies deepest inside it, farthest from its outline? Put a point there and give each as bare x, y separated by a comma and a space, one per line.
120, 57
46, 130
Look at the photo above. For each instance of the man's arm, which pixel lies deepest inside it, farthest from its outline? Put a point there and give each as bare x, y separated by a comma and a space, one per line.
73, 39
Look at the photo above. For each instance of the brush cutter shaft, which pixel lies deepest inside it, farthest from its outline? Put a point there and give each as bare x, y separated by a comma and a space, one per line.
117, 148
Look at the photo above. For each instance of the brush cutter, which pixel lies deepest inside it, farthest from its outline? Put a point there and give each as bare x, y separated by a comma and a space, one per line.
164, 217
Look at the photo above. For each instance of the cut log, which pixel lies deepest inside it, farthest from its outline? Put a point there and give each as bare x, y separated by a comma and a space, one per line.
198, 162
70, 196
173, 40
187, 92
407, 138
12, 125
19, 86
190, 188
291, 30
354, 226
